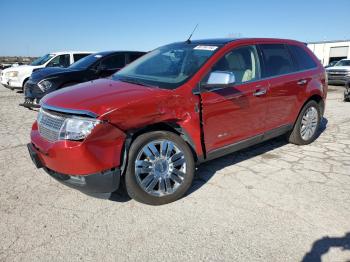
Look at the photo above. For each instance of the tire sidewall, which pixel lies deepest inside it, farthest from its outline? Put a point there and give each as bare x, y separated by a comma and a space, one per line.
133, 188
298, 123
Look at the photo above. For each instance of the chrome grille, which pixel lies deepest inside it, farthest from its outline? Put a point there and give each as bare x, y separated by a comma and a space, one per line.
50, 124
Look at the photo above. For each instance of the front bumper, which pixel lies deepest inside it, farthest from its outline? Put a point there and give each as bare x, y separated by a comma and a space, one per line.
11, 82
102, 182
101, 150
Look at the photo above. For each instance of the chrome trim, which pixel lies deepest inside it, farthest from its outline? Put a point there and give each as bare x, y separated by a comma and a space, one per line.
69, 111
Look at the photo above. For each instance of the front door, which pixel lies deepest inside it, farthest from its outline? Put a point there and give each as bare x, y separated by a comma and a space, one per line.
236, 113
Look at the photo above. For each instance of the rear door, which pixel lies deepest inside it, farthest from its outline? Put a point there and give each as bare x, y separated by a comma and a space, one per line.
285, 87
235, 113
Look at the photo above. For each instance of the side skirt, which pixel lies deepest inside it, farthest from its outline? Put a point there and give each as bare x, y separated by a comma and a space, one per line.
247, 142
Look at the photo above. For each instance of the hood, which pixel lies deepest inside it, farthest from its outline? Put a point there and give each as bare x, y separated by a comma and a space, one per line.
21, 68
49, 72
340, 68
101, 96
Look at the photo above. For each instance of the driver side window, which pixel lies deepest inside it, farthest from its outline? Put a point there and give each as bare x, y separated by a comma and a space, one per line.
60, 60
243, 62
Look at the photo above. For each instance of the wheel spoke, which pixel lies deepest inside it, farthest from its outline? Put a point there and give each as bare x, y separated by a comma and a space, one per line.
178, 173
148, 153
153, 149
175, 178
147, 180
168, 185
169, 149
151, 185
163, 148
162, 185
143, 163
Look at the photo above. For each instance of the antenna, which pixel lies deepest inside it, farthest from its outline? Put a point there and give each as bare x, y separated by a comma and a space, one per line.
189, 39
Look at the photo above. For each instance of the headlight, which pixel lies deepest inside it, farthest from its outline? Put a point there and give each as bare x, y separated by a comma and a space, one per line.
12, 74
44, 85
77, 128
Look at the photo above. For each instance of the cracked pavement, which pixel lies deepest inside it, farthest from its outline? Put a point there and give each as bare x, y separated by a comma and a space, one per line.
272, 202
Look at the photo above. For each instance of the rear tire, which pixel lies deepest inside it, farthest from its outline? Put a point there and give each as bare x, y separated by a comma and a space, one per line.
307, 124
160, 168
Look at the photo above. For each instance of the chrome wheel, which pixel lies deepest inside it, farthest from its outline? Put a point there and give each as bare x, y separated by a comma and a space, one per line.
309, 123
160, 167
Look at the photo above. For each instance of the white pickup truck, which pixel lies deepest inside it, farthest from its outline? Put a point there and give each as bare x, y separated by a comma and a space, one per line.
339, 73
15, 77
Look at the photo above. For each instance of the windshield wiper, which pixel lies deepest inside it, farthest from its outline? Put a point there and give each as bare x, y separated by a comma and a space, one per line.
135, 81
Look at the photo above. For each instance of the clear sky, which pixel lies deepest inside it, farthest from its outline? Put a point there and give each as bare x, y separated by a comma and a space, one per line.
35, 27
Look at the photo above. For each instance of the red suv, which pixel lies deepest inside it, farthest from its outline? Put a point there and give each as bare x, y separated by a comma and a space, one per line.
178, 106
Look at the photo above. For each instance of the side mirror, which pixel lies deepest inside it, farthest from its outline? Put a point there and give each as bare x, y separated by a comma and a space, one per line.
219, 79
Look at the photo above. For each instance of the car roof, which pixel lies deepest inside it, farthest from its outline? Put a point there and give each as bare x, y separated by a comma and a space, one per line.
72, 52
224, 41
104, 53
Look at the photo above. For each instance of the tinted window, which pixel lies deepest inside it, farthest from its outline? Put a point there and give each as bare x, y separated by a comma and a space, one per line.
86, 62
243, 62
302, 59
113, 62
79, 56
134, 56
60, 60
277, 60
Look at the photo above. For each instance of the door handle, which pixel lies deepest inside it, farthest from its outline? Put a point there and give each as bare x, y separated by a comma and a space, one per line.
260, 92
302, 82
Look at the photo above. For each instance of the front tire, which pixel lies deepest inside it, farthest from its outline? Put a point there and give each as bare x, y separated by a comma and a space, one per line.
160, 168
307, 124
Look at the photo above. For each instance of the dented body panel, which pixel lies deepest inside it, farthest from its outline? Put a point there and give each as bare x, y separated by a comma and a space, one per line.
207, 120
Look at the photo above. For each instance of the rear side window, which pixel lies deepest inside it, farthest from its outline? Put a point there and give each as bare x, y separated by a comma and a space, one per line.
301, 57
114, 62
79, 56
277, 60
134, 56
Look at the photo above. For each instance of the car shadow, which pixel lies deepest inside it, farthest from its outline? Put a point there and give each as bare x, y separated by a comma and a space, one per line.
323, 245
207, 170
19, 92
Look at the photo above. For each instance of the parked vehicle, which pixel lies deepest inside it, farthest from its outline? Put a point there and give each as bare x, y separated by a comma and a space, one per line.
347, 90
91, 67
16, 77
339, 72
177, 106
4, 66
331, 64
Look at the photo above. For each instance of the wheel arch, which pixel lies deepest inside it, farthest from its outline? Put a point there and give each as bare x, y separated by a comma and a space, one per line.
24, 81
318, 99
161, 126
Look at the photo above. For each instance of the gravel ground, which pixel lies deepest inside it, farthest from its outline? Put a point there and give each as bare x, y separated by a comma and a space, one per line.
272, 202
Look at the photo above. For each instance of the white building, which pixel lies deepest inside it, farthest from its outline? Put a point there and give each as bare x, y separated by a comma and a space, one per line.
328, 51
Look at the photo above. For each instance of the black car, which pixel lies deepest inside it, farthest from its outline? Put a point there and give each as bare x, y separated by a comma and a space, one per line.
91, 67
347, 90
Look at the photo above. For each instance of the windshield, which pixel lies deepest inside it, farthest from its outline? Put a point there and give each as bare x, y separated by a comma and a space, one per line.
42, 60
168, 66
86, 62
343, 63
